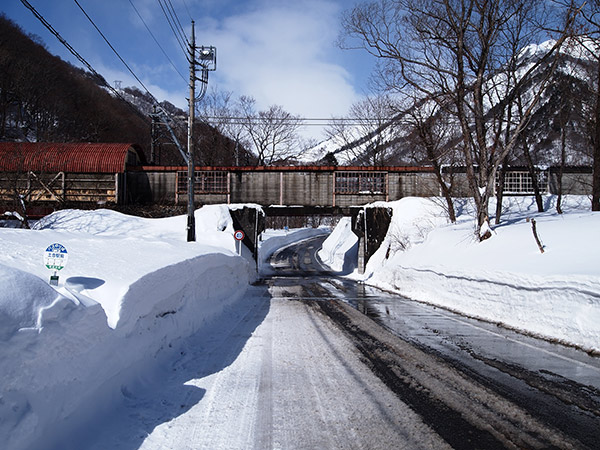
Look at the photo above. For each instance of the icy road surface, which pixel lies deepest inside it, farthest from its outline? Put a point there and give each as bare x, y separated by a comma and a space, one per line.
298, 369
281, 377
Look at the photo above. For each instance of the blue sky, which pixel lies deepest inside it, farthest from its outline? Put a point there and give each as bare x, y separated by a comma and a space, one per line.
280, 52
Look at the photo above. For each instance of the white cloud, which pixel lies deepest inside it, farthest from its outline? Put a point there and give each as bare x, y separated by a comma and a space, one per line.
279, 52
282, 54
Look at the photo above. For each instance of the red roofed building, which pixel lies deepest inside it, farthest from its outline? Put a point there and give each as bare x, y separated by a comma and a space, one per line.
67, 172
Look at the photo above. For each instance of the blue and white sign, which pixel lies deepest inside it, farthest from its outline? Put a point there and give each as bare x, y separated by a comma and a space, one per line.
55, 256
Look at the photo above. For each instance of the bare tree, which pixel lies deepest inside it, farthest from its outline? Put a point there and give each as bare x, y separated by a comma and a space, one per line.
220, 111
273, 132
589, 39
533, 172
454, 52
433, 134
367, 133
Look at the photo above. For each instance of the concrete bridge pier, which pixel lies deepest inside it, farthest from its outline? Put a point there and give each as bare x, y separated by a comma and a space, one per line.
252, 222
371, 225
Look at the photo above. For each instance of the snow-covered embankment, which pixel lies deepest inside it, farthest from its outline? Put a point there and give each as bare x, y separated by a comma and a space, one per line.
340, 249
506, 279
145, 287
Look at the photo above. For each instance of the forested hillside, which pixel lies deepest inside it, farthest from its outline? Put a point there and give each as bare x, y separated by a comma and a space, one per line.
45, 99
389, 132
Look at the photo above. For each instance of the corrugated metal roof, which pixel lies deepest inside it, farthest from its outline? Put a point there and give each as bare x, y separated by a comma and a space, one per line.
66, 157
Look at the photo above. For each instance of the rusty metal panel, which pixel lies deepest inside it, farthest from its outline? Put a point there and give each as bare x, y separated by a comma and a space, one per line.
67, 157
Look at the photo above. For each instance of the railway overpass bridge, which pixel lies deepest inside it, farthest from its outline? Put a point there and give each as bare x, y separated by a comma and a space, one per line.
283, 190
294, 191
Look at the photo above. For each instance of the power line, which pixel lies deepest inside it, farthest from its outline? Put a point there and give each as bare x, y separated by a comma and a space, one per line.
59, 37
314, 119
63, 41
115, 51
78, 56
300, 125
162, 111
302, 121
188, 10
183, 42
176, 19
155, 40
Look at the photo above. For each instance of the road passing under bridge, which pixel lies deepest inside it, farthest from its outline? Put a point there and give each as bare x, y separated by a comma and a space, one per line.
318, 361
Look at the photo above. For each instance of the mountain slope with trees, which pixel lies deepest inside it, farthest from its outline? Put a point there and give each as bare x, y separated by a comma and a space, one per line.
474, 74
45, 99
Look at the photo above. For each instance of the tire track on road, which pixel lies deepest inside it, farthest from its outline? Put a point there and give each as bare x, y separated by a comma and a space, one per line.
463, 412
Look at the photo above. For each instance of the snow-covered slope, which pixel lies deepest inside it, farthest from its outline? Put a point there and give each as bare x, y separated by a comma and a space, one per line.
506, 279
562, 108
132, 288
340, 249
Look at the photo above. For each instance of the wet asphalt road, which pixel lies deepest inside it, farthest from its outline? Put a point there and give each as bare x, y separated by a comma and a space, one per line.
556, 385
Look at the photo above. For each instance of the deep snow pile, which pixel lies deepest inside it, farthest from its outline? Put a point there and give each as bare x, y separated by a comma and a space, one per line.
131, 289
506, 279
340, 247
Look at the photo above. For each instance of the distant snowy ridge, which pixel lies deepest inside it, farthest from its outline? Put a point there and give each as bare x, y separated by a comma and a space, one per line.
568, 83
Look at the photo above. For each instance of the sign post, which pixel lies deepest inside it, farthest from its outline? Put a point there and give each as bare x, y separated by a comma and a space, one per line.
55, 259
239, 237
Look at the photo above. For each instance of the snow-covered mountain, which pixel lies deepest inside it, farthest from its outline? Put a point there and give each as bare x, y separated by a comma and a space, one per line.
561, 119
145, 103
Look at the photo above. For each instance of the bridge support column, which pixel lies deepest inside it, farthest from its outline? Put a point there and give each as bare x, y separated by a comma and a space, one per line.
370, 224
252, 222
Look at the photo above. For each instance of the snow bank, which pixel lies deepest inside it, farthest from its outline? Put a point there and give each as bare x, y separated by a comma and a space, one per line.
340, 249
506, 279
131, 290
15, 314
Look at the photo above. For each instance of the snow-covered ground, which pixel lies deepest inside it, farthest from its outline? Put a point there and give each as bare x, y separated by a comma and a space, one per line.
131, 290
340, 249
506, 279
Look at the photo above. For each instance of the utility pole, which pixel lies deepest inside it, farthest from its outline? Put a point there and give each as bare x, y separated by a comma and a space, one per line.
207, 62
153, 139
191, 221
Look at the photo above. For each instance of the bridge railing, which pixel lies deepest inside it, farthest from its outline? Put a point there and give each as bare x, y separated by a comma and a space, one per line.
322, 186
